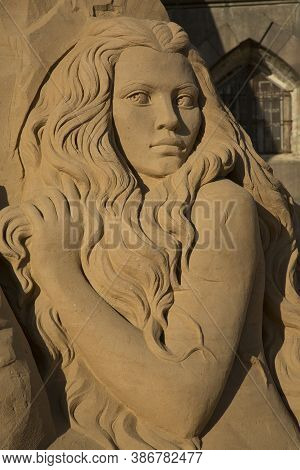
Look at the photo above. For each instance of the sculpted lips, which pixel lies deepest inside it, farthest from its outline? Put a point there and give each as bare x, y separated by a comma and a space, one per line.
168, 146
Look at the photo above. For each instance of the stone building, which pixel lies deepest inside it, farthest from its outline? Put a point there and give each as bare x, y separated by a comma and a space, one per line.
251, 47
253, 51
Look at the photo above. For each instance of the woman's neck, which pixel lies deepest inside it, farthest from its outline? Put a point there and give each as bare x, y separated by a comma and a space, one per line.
149, 182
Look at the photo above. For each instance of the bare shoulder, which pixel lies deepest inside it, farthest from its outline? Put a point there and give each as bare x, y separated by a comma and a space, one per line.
226, 190
228, 238
230, 197
224, 209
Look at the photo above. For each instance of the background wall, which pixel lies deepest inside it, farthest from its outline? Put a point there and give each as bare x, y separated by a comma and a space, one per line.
34, 34
262, 35
266, 36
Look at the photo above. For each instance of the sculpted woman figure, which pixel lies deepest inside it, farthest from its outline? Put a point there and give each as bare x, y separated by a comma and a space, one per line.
175, 322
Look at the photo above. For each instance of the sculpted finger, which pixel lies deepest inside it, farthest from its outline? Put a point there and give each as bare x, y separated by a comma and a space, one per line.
13, 217
70, 189
73, 195
34, 215
60, 203
15, 226
46, 206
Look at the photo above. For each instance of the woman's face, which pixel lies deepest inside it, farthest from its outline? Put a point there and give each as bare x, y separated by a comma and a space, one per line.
155, 109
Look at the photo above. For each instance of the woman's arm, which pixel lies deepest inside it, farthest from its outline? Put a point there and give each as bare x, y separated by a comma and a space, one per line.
177, 397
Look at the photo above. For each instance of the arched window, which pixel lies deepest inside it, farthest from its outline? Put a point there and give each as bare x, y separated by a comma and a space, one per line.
262, 107
262, 92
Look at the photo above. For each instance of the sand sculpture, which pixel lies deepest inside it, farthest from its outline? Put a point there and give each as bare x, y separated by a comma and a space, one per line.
150, 263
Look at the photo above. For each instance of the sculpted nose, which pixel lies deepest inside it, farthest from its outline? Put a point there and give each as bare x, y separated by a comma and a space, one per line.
166, 115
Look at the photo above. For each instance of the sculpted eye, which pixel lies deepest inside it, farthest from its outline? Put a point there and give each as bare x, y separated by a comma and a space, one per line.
185, 101
139, 97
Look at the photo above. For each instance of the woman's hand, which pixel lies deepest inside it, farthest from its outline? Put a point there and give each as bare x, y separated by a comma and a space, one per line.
54, 256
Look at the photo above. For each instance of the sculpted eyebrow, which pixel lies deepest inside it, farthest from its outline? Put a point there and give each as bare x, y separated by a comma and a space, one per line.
188, 86
132, 86
135, 86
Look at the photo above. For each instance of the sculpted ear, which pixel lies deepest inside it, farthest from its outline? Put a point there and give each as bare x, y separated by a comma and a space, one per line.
15, 230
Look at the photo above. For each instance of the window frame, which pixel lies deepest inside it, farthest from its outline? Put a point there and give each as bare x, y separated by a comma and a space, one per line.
279, 72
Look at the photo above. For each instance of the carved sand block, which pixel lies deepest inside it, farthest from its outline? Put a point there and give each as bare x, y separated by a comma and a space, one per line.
153, 253
25, 413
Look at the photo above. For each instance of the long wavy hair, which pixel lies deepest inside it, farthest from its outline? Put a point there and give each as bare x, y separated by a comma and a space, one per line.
68, 140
